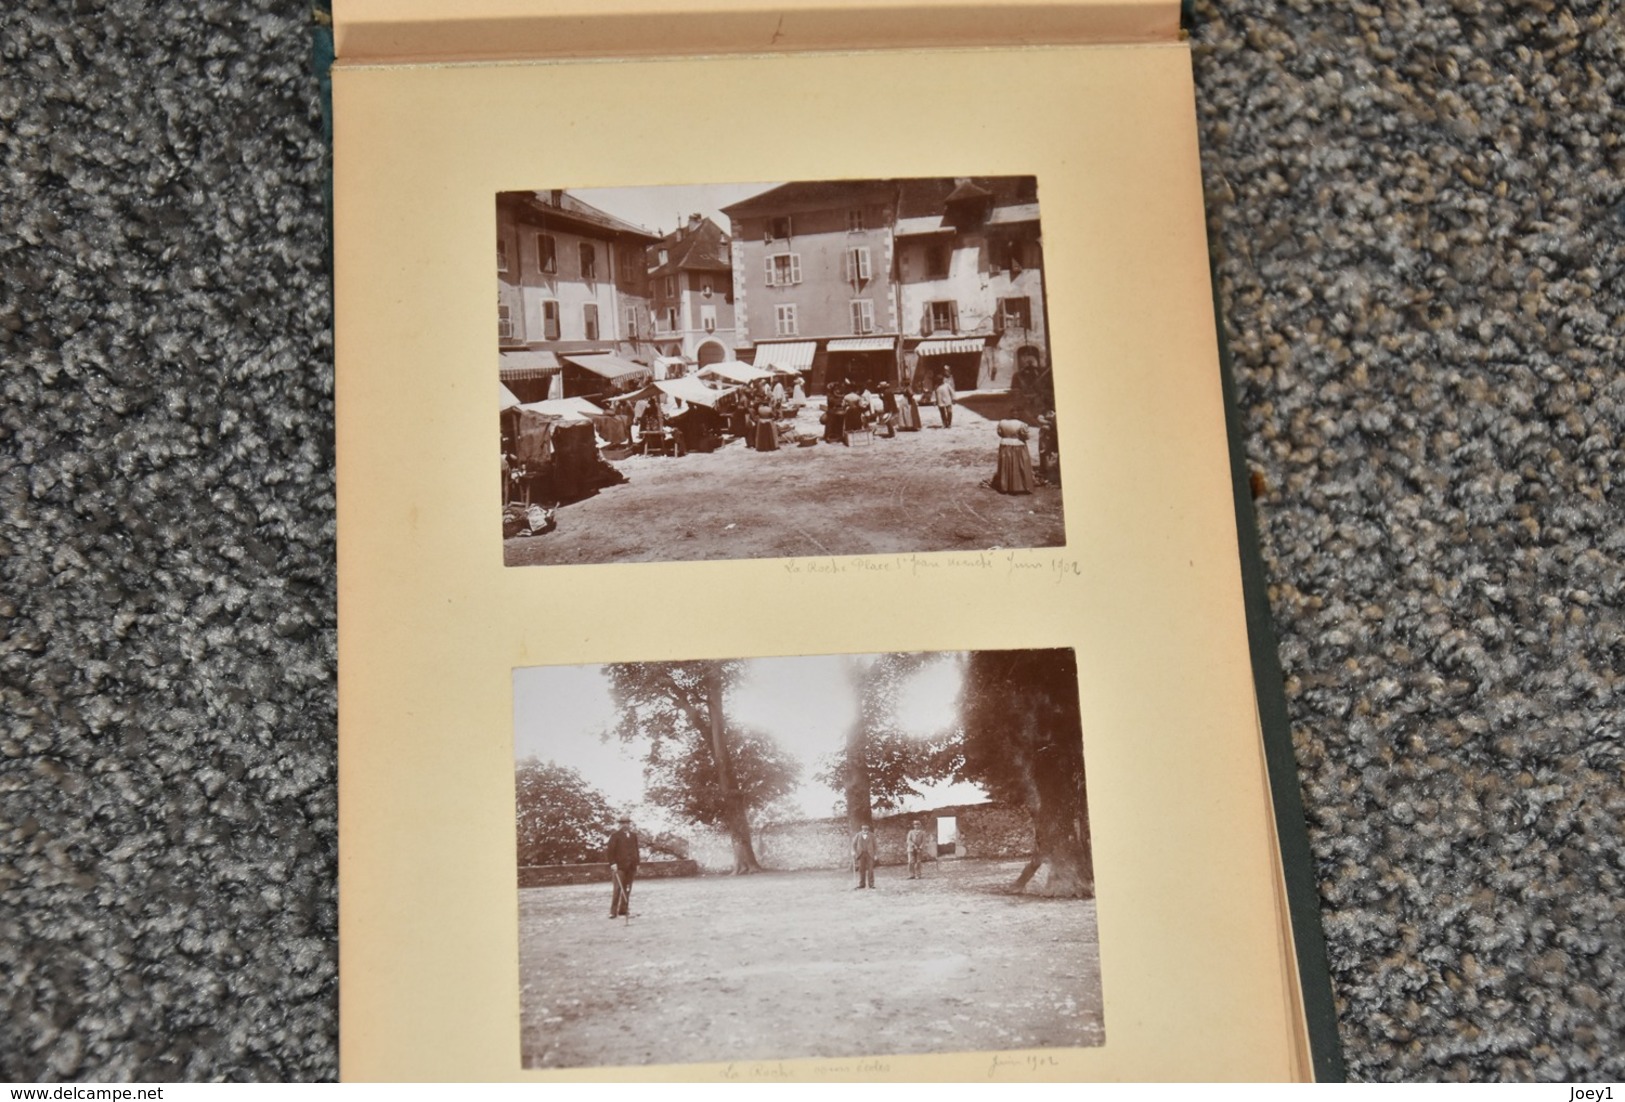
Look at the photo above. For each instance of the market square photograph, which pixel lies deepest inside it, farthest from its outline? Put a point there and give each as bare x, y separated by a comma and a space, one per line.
818, 857
768, 370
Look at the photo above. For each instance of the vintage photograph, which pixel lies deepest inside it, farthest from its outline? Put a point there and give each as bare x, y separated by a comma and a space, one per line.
823, 857
838, 367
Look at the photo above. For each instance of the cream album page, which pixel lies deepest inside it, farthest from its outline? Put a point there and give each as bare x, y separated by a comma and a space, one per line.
784, 510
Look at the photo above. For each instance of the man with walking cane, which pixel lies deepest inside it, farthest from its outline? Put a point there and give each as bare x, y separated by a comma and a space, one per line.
623, 866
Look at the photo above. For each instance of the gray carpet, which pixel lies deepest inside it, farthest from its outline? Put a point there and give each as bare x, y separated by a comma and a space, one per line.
1419, 219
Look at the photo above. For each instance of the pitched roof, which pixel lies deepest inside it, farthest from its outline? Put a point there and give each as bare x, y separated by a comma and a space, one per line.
808, 195
556, 206
925, 197
695, 248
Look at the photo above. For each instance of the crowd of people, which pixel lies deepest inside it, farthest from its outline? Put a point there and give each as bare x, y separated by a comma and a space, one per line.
763, 414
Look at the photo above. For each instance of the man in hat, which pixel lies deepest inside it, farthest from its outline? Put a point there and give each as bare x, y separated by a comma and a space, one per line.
863, 857
623, 866
917, 842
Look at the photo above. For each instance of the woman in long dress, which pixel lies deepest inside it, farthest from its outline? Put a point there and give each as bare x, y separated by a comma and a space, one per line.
908, 411
1015, 470
834, 419
767, 429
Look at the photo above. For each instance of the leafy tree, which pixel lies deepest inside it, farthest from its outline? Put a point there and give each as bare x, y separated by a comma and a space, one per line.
881, 764
700, 765
1024, 744
561, 819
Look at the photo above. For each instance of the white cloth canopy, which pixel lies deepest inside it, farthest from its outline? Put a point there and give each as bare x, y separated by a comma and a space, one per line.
735, 372
688, 389
577, 408
508, 399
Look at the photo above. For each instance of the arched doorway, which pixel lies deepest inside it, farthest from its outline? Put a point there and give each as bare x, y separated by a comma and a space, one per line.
711, 352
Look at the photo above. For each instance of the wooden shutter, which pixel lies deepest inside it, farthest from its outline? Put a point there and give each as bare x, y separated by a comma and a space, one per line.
795, 267
769, 262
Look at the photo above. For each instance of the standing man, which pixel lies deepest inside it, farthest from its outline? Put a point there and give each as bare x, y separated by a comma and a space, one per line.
863, 857
623, 866
945, 399
917, 841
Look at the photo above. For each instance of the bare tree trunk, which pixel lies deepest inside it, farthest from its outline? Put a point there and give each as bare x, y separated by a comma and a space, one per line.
1062, 844
738, 821
855, 771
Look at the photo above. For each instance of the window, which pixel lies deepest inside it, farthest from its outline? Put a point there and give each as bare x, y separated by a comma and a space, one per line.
1006, 255
784, 269
632, 323
504, 320
671, 319
550, 319
785, 319
547, 253
705, 288
1014, 313
942, 317
589, 321
936, 261
502, 254
863, 316
857, 264
671, 286
778, 229
662, 256
708, 318
854, 221
589, 261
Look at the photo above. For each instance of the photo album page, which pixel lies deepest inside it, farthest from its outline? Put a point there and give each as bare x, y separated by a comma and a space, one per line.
790, 618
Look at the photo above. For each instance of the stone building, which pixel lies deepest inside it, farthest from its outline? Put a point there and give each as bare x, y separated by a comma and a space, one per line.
691, 293
572, 295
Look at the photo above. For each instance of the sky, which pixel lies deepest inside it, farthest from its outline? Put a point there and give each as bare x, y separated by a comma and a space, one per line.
803, 703
662, 208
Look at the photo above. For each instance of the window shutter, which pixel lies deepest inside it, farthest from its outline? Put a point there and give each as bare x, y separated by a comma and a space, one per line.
863, 261
847, 266
769, 262
953, 315
795, 267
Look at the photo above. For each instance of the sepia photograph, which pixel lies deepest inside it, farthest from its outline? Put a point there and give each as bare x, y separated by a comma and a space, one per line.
769, 370
828, 857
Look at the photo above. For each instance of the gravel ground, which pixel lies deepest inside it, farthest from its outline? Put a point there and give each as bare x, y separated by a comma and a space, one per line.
799, 965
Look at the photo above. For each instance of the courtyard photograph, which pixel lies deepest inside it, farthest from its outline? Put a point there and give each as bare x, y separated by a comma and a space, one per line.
826, 857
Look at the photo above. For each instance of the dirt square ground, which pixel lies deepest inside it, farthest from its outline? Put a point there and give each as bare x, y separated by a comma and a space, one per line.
787, 965
918, 491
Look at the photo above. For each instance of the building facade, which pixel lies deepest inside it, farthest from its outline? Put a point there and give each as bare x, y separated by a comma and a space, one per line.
814, 279
570, 279
897, 280
971, 275
691, 293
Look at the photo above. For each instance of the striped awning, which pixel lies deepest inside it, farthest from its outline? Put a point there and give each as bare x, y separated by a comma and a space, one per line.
527, 365
862, 344
606, 365
786, 355
949, 347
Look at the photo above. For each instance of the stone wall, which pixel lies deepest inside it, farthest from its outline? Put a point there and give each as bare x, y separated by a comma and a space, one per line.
538, 876
984, 830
